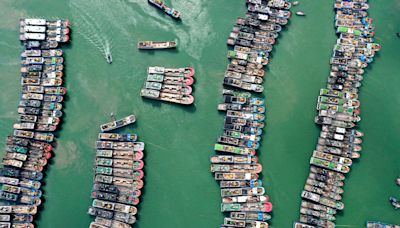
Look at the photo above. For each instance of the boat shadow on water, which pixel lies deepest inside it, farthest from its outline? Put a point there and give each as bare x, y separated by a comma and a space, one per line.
153, 52
158, 104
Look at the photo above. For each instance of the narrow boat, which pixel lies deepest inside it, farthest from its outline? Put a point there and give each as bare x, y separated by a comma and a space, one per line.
151, 45
118, 123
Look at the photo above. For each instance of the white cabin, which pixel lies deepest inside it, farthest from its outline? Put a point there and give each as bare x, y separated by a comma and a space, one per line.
35, 36
32, 21
40, 29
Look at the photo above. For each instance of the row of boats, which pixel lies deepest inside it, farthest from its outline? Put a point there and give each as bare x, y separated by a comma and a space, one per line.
169, 84
40, 109
118, 179
236, 164
253, 38
338, 110
42, 33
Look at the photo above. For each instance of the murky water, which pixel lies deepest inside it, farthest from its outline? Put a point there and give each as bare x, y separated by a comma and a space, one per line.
179, 190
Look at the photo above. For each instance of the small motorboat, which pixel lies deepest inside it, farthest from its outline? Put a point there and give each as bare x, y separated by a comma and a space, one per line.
295, 3
300, 13
398, 181
109, 58
395, 202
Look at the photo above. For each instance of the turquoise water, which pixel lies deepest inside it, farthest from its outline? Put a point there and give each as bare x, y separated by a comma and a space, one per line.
179, 190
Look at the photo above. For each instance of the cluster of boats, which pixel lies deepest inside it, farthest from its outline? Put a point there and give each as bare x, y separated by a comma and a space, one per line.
380, 225
118, 178
42, 33
40, 109
338, 112
236, 165
166, 9
252, 39
169, 84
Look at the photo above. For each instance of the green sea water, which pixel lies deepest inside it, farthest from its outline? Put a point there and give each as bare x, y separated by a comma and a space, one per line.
179, 189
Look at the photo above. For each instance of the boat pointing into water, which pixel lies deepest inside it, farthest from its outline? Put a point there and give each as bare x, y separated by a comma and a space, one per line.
154, 45
115, 124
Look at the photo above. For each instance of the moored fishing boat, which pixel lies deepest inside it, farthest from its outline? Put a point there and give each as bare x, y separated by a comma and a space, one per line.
235, 176
236, 168
234, 159
118, 123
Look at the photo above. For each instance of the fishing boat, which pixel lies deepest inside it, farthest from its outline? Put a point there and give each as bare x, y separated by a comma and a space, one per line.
302, 225
168, 10
238, 107
245, 115
322, 192
239, 135
326, 179
260, 216
257, 191
234, 159
152, 45
236, 168
248, 207
135, 146
332, 158
240, 184
238, 142
322, 200
324, 185
118, 123
245, 199
318, 207
170, 97
236, 176
117, 137
234, 150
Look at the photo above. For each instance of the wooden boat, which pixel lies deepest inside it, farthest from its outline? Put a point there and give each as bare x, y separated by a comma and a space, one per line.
170, 80
118, 181
235, 176
118, 207
322, 192
325, 186
175, 72
169, 11
260, 216
239, 107
120, 154
317, 222
236, 168
234, 150
257, 191
318, 207
135, 146
248, 207
243, 129
100, 213
118, 123
151, 45
239, 135
117, 137
174, 98
240, 184
327, 173
111, 223
243, 85
169, 88
238, 142
330, 165
245, 199
245, 115
322, 200
234, 159
332, 158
